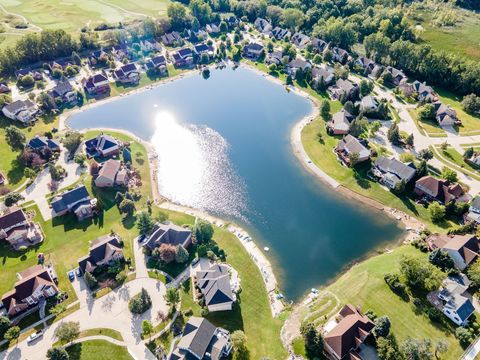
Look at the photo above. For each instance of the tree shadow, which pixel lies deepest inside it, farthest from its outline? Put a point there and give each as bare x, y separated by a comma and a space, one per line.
75, 351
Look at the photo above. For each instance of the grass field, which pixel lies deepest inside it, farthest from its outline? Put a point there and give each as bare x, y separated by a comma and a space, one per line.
470, 124
72, 15
453, 155
462, 39
363, 285
97, 350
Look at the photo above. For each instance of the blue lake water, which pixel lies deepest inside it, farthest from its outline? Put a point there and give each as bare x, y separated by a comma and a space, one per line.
224, 146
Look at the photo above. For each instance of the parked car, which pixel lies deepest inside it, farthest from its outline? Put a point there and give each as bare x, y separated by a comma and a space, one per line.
35, 336
71, 275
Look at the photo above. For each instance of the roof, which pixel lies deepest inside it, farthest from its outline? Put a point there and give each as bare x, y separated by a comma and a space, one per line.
18, 105
158, 60
299, 63
214, 283
69, 198
466, 245
341, 120
128, 68
39, 142
352, 145
401, 170
369, 102
109, 169
345, 85
61, 88
439, 188
185, 52
199, 48
197, 336
12, 218
168, 234
253, 46
350, 331
102, 248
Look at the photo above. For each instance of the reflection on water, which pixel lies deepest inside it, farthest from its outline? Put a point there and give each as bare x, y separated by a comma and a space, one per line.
194, 168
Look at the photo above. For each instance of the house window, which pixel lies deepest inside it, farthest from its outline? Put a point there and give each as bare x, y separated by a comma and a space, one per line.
30, 301
50, 291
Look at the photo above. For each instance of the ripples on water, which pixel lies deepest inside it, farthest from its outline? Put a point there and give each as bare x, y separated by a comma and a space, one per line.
194, 168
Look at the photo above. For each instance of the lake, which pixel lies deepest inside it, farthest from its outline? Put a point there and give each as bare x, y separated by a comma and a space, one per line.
224, 147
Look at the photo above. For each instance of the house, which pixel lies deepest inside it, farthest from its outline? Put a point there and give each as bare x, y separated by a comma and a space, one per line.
319, 45
214, 284
424, 92
365, 64
171, 38
456, 301
350, 145
203, 48
183, 57
323, 75
340, 55
340, 123
150, 45
297, 64
127, 74
19, 230
34, 286
398, 76
300, 40
437, 189
103, 251
202, 340
253, 51
21, 110
281, 34
213, 28
111, 174
368, 104
159, 63
76, 201
376, 72
37, 75
64, 93
103, 145
232, 21
392, 172
4, 88
96, 57
275, 57
96, 84
345, 339
474, 210
263, 26
119, 52
463, 249
343, 88
445, 115
40, 143
168, 234
60, 64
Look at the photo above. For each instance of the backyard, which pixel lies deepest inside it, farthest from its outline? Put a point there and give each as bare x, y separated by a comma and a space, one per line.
97, 350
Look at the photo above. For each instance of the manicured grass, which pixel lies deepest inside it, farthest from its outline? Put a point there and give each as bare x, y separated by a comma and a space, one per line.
157, 275
252, 314
429, 128
322, 155
298, 346
95, 332
448, 160
470, 123
97, 350
453, 155
363, 285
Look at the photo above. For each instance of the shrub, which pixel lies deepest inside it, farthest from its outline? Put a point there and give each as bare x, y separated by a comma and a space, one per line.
435, 315
140, 302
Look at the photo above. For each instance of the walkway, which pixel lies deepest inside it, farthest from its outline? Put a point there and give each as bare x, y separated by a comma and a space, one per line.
472, 351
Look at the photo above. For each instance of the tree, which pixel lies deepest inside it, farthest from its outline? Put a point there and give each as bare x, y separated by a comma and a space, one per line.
464, 336
177, 13
471, 103
181, 254
365, 88
80, 159
382, 326
26, 81
67, 331
274, 13
417, 349
47, 101
473, 272
166, 253
57, 353
449, 174
203, 231
239, 341
313, 340
12, 198
325, 110
4, 325
72, 140
140, 303
420, 274
377, 46
127, 207
441, 259
426, 154
57, 172
437, 212
201, 10
468, 153
387, 348
144, 223
90, 280
441, 347
374, 127
292, 18
14, 137
393, 134
409, 140
358, 126
172, 297
427, 113
422, 168
12, 333
147, 328
353, 158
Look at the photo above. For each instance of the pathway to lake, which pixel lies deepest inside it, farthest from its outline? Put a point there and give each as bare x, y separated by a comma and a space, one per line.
224, 147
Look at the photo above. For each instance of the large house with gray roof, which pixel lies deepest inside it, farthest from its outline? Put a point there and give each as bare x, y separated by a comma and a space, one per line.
263, 26
18, 230
351, 145
214, 284
168, 234
343, 88
103, 251
64, 93
391, 172
456, 301
76, 201
203, 341
281, 34
300, 40
103, 145
21, 110
340, 123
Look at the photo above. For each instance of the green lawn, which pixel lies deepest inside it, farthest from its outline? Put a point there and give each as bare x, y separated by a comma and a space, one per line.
114, 334
470, 123
97, 350
453, 155
322, 155
363, 286
253, 315
429, 128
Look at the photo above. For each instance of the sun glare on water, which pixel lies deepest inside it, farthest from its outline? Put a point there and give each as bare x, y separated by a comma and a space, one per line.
194, 168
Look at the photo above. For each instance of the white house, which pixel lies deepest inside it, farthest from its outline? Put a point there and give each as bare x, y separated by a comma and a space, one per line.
457, 305
21, 110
